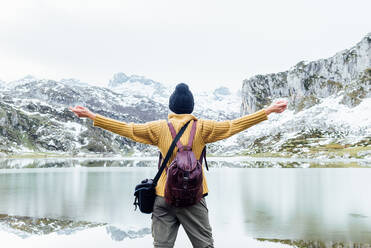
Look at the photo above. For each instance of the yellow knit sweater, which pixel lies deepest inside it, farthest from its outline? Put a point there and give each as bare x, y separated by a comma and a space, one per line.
157, 133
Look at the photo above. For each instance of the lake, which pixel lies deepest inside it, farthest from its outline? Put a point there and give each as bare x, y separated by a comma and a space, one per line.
84, 199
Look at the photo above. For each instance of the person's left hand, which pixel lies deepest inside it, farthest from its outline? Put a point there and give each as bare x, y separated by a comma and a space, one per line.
277, 107
82, 112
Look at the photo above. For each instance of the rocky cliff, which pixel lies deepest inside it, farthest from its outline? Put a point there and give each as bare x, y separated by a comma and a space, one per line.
329, 106
347, 73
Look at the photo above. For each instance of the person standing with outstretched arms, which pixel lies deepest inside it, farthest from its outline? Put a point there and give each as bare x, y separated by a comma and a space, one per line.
166, 218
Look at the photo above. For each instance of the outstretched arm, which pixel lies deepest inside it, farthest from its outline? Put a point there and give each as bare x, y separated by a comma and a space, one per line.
146, 133
213, 131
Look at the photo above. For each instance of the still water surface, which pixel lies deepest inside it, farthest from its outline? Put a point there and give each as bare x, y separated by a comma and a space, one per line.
271, 203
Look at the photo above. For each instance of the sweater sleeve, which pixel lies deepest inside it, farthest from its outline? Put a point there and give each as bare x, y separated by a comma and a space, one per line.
147, 133
213, 131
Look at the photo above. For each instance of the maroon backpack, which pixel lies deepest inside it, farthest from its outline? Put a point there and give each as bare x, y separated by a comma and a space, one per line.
184, 176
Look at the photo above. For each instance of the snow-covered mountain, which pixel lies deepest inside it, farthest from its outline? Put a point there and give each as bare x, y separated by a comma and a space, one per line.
34, 116
347, 72
329, 106
220, 103
329, 111
135, 85
34, 113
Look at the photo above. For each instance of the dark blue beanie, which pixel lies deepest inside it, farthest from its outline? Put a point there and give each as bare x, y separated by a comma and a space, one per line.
181, 101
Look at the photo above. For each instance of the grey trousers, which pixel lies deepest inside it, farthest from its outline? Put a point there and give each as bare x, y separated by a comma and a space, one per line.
194, 219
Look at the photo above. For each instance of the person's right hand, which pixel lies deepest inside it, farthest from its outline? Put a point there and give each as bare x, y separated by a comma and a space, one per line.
82, 112
277, 107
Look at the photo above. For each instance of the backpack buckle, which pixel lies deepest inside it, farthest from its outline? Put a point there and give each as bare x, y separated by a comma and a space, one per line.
187, 148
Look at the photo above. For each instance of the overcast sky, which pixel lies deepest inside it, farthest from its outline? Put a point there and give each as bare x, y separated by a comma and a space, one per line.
203, 43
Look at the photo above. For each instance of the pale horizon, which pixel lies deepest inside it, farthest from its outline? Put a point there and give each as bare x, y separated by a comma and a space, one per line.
204, 44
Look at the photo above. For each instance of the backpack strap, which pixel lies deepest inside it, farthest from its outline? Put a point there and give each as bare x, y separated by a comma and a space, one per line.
172, 129
190, 142
203, 156
159, 160
192, 135
173, 134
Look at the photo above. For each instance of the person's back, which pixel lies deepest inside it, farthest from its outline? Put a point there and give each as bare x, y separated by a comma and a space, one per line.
166, 218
